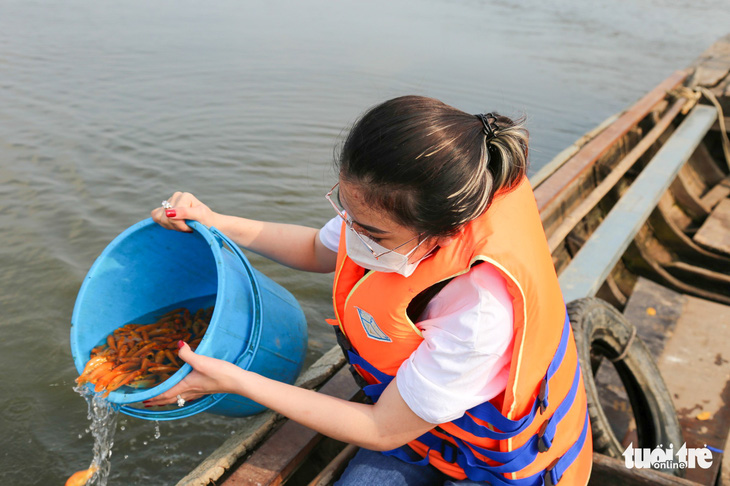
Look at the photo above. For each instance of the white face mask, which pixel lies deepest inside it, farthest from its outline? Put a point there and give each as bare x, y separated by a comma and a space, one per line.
390, 262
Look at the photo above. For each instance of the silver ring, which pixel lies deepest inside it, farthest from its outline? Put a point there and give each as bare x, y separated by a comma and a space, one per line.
166, 204
180, 401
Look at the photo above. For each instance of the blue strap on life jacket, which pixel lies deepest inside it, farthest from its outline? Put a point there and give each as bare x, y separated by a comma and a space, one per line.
484, 411
514, 460
511, 461
518, 459
478, 471
489, 413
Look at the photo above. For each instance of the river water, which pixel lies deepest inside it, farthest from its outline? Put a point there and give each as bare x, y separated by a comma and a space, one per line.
108, 107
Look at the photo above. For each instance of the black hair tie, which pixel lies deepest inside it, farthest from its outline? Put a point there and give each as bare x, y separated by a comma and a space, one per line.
490, 127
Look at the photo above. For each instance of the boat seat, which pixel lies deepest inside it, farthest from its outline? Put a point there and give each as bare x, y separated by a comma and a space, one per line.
715, 231
595, 260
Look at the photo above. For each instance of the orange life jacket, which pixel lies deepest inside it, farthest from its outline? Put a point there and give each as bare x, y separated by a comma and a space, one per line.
537, 431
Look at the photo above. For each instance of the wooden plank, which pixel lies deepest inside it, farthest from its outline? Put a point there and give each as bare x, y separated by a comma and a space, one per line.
695, 365
569, 172
590, 267
335, 467
608, 471
222, 459
225, 457
654, 310
725, 467
712, 65
575, 216
546, 170
715, 231
284, 451
719, 192
685, 191
693, 359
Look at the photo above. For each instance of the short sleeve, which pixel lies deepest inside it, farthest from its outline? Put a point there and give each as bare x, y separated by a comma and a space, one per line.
329, 234
465, 357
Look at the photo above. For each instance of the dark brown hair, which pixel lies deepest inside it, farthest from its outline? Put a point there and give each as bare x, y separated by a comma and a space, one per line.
430, 165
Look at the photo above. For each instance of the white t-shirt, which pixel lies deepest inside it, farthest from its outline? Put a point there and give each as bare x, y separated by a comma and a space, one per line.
465, 355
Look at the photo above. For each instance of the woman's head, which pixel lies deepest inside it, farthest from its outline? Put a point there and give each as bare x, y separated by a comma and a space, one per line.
429, 165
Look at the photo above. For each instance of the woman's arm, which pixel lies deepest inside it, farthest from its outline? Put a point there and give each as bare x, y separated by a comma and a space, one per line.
295, 246
386, 425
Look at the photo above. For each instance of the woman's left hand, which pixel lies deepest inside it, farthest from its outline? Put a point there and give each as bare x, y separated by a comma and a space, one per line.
209, 375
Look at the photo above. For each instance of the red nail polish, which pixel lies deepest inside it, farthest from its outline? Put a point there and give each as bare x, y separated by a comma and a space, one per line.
180, 344
170, 213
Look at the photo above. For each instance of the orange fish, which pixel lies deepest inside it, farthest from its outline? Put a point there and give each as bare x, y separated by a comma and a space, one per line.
80, 478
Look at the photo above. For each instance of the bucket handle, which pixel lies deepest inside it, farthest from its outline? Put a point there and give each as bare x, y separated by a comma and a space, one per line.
226, 242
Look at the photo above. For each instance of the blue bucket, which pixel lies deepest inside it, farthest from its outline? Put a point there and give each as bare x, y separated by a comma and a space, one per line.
148, 270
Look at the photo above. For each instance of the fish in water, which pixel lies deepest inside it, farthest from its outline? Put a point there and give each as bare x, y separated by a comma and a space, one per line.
144, 355
80, 478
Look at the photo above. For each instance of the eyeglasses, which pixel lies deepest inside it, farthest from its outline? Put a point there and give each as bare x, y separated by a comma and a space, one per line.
349, 222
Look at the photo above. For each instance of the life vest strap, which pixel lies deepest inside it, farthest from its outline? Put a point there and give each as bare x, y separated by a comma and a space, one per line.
384, 379
477, 471
486, 411
517, 459
510, 461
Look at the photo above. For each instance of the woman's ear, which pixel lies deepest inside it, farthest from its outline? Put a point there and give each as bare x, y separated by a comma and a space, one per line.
444, 241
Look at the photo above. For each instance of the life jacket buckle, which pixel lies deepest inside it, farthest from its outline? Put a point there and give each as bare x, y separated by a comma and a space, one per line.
541, 396
551, 478
543, 444
451, 447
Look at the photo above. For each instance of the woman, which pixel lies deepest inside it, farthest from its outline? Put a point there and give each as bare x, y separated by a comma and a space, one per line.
446, 302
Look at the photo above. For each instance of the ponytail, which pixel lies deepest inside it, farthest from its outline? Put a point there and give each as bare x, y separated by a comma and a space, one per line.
431, 166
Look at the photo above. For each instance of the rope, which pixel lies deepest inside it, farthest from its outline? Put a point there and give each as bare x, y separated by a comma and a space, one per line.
693, 95
626, 348
721, 119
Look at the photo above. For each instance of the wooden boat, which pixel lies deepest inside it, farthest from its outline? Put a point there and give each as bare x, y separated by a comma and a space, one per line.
637, 213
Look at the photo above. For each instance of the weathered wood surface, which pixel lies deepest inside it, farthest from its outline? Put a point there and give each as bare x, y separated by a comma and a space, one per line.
274, 461
725, 467
546, 170
713, 65
613, 472
689, 339
599, 255
567, 175
715, 231
696, 365
717, 193
558, 234
335, 467
237, 446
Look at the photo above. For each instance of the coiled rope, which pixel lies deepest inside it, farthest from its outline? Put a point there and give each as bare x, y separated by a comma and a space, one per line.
693, 95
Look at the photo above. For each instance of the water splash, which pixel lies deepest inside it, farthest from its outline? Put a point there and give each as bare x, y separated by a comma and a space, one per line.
157, 430
103, 416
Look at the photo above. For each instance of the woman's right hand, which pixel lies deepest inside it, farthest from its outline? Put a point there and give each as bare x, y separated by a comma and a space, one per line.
209, 375
184, 206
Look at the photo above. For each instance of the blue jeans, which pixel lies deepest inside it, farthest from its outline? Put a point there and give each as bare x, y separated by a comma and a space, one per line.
373, 468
